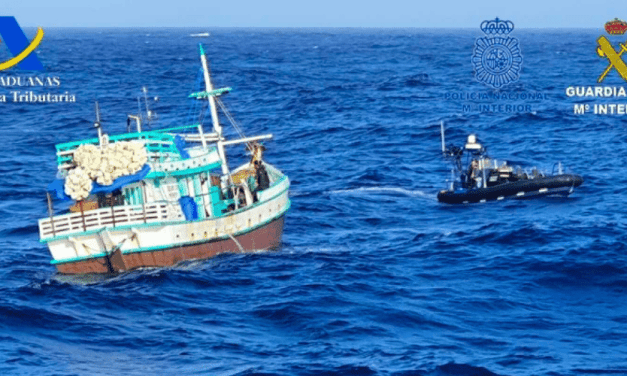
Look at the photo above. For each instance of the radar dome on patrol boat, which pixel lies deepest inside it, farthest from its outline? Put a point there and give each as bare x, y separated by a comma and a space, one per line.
471, 143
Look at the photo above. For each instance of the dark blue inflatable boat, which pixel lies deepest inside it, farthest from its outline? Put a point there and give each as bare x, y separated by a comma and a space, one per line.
485, 179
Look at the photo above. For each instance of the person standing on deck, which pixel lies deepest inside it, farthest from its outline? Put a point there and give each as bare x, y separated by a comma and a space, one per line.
263, 181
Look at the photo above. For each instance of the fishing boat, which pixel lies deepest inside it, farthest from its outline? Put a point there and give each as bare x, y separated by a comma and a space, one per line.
483, 179
158, 197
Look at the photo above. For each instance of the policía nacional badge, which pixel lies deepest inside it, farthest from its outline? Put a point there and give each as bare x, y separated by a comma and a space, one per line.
497, 59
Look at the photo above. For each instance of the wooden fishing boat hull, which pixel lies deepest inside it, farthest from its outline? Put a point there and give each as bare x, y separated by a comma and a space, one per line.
160, 236
265, 237
550, 185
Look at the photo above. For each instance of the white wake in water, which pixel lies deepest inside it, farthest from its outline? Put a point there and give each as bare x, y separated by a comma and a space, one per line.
384, 190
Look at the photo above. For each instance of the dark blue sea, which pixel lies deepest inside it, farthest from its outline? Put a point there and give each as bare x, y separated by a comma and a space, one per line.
374, 276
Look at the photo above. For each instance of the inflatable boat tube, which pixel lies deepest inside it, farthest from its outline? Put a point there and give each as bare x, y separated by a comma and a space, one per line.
558, 184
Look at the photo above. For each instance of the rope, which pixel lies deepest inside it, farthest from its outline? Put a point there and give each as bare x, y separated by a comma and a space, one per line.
241, 249
194, 106
233, 122
108, 254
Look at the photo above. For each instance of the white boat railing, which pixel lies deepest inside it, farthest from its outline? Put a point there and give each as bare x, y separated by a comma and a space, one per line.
114, 216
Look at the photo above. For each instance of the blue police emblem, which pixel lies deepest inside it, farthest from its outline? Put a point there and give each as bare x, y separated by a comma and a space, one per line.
497, 58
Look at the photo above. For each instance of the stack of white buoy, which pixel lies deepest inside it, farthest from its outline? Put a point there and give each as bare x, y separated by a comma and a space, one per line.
103, 165
78, 184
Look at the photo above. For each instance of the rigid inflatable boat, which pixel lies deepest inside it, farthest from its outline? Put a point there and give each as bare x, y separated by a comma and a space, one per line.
484, 179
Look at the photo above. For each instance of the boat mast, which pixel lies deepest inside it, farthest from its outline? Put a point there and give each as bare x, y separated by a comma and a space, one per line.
214, 111
442, 135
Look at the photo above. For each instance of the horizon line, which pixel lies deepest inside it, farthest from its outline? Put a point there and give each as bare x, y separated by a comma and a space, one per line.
308, 27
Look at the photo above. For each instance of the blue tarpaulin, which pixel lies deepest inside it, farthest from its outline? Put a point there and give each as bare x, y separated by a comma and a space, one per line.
57, 186
189, 207
180, 144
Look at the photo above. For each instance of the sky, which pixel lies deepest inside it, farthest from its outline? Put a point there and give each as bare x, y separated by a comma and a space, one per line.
319, 13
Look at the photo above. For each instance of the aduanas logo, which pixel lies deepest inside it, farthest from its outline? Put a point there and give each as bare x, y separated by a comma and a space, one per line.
19, 46
497, 58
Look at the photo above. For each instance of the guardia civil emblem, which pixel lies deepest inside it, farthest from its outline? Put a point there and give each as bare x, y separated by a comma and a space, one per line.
497, 59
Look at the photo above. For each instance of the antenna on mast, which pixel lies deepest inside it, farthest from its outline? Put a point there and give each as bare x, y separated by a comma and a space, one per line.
149, 113
442, 135
97, 124
139, 118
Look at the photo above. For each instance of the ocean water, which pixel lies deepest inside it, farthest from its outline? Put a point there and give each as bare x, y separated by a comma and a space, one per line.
374, 276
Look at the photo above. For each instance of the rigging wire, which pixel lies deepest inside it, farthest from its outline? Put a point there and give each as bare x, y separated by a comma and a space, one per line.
228, 115
194, 106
